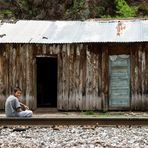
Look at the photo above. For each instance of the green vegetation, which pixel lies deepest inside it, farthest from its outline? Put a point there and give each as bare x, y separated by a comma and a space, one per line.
73, 9
124, 10
6, 11
89, 113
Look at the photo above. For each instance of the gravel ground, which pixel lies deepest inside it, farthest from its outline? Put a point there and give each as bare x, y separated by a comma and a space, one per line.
74, 137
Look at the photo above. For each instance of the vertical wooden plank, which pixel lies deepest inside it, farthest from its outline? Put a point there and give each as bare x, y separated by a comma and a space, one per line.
92, 83
64, 80
134, 77
83, 67
99, 107
95, 62
30, 100
139, 103
60, 76
75, 77
38, 50
47, 49
2, 77
13, 68
51, 49
76, 70
21, 70
75, 74
65, 76
56, 50
18, 76
27, 76
9, 66
93, 80
132, 53
34, 77
88, 79
105, 78
78, 78
44, 49
72, 97
144, 77
6, 71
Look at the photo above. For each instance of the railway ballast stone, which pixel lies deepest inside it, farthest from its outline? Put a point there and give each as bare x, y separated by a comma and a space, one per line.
75, 137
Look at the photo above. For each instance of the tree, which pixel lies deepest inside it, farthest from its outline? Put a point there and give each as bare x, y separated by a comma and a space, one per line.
124, 10
72, 9
78, 10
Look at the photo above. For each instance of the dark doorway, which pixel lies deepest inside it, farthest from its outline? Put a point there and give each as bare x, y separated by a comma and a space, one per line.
46, 81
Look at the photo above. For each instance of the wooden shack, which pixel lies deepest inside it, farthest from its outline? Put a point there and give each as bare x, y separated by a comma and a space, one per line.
74, 65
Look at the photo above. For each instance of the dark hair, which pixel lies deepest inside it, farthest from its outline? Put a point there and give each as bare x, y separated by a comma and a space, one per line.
16, 89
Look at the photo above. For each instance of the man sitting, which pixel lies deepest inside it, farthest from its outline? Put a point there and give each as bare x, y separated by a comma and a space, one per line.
14, 108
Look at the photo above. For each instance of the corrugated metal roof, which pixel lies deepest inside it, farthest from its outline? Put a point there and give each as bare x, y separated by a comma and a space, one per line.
32, 31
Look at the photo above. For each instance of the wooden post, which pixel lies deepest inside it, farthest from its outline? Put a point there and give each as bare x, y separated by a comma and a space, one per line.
105, 78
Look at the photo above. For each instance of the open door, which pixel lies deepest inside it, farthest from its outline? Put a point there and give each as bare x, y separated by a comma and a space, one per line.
46, 81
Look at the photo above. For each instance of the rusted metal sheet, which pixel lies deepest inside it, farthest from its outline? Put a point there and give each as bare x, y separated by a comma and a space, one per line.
49, 32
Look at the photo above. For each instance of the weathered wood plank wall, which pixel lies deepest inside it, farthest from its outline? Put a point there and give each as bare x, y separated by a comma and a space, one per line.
82, 73
139, 76
3, 76
145, 77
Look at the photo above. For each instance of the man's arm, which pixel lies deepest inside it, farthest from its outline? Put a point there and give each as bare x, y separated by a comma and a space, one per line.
23, 106
18, 109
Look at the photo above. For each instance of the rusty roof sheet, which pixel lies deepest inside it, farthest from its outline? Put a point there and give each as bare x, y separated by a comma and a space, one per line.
33, 31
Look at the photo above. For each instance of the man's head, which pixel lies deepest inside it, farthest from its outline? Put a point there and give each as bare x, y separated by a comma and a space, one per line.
17, 92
